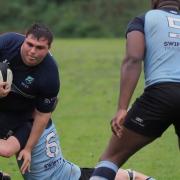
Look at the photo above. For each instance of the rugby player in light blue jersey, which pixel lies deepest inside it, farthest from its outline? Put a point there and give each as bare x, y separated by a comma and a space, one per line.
153, 39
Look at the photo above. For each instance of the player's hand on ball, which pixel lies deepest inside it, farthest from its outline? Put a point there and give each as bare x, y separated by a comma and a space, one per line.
5, 88
6, 78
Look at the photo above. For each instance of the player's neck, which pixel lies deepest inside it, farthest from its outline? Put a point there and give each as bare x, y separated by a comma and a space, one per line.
173, 6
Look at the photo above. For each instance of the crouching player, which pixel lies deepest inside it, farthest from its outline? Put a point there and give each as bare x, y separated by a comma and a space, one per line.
48, 162
32, 98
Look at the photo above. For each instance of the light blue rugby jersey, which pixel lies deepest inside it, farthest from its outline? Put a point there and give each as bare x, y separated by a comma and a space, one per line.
47, 161
162, 37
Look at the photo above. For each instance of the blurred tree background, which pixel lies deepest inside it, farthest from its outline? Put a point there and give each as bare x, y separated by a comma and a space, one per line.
72, 18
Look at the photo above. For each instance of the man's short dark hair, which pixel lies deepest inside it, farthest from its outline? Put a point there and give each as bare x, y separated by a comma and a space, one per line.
39, 30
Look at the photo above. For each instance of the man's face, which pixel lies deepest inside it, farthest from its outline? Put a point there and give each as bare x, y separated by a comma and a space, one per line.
34, 50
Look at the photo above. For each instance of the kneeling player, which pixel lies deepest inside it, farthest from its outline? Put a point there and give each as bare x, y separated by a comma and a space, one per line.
47, 161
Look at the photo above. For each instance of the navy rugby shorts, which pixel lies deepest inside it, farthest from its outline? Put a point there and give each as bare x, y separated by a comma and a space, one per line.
21, 133
155, 110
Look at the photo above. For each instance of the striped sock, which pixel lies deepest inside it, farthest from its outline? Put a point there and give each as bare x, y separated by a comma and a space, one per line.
105, 170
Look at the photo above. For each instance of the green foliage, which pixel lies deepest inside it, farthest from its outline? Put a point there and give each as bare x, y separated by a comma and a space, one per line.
87, 102
69, 18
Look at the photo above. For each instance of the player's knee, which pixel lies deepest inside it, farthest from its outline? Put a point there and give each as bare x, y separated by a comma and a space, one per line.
10, 147
7, 151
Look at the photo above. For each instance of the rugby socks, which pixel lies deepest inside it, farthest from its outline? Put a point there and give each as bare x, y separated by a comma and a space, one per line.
105, 170
132, 175
86, 173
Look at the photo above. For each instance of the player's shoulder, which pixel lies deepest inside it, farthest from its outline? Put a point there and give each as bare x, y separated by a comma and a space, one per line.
162, 12
48, 69
136, 24
12, 36
49, 62
48, 76
11, 40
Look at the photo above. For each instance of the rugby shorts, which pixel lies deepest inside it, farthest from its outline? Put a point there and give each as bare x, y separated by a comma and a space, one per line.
155, 110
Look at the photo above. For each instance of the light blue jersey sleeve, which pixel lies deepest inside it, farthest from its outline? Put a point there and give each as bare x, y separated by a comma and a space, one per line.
47, 161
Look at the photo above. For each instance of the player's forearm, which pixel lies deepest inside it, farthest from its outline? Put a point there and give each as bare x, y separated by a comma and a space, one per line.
39, 124
130, 73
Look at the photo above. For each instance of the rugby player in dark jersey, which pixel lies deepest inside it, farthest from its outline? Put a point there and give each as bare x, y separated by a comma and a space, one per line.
26, 106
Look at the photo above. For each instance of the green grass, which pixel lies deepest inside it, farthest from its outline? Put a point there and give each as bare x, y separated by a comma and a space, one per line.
88, 100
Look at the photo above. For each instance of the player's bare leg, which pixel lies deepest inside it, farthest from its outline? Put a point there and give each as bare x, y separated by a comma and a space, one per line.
117, 152
120, 149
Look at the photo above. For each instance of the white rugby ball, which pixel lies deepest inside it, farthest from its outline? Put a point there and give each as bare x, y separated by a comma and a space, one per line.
6, 74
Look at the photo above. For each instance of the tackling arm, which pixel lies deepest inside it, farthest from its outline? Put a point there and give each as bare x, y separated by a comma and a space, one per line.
39, 124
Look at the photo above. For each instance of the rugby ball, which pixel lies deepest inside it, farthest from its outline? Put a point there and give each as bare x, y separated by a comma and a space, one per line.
5, 73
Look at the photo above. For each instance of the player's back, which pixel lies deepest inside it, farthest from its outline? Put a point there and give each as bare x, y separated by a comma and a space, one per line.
162, 37
47, 161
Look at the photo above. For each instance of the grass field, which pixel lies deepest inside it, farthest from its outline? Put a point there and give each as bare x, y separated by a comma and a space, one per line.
88, 100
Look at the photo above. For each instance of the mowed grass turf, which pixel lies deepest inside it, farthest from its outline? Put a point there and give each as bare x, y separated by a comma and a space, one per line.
89, 70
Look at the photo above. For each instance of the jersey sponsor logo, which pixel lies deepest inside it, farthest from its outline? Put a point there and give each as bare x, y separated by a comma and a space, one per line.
138, 121
173, 45
50, 100
52, 164
174, 24
174, 27
27, 82
47, 101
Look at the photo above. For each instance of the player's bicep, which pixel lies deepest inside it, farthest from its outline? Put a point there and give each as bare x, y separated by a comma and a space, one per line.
135, 45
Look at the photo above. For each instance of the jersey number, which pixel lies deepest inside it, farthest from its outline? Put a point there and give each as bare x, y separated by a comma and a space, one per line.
51, 145
174, 23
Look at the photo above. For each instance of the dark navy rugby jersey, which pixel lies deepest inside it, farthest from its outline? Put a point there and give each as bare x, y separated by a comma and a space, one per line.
32, 87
